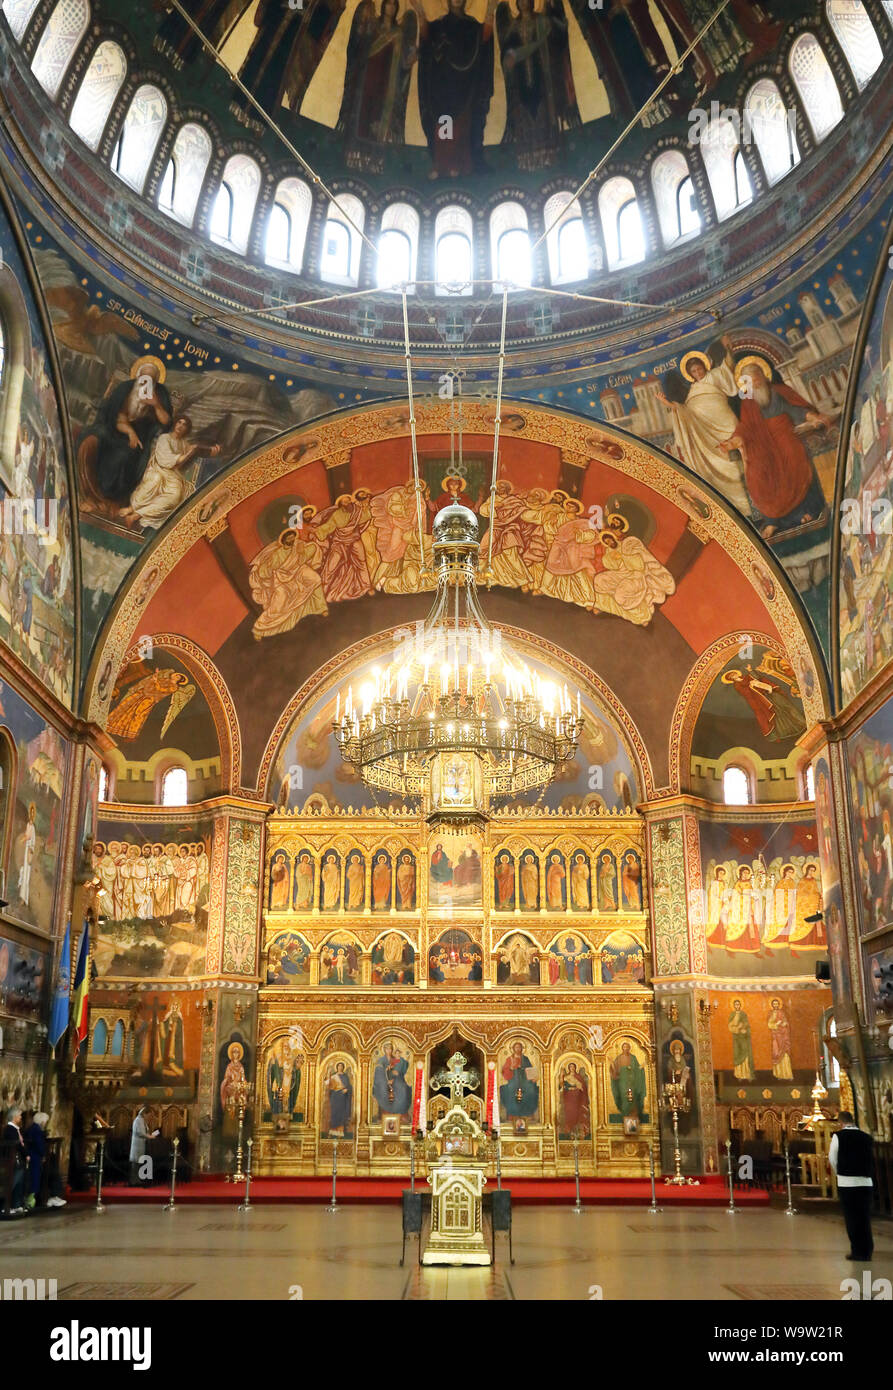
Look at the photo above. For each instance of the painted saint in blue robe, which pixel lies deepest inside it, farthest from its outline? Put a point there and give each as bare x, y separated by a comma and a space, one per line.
519, 1095
340, 1088
389, 1085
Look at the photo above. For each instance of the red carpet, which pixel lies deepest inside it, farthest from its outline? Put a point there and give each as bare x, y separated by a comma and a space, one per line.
711, 1192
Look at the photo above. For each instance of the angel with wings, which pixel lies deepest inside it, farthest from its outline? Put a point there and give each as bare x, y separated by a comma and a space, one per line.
381, 52
129, 716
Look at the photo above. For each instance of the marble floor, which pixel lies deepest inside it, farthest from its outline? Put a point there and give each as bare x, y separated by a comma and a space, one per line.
303, 1252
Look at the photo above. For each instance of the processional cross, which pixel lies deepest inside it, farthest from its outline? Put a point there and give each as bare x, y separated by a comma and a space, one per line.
457, 1076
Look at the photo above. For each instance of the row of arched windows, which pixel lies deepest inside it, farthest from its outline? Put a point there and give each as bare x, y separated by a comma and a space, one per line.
765, 122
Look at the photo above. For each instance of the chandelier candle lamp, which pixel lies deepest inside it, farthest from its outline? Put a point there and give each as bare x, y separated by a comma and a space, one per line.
457, 720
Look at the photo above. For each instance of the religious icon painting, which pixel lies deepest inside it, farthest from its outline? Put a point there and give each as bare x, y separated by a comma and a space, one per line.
504, 882
279, 895
234, 1062
628, 1084
392, 1086
288, 960
517, 961
556, 882
573, 1107
454, 871
529, 882
305, 882
354, 881
519, 1092
580, 887
283, 1068
456, 959
630, 881
606, 881
405, 881
330, 882
393, 960
381, 881
337, 1120
339, 963
570, 960
622, 960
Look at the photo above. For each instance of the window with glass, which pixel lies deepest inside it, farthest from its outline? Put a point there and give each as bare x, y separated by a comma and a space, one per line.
175, 787
857, 36
342, 241
96, 94
726, 170
136, 145
510, 246
674, 196
736, 786
18, 15
816, 85
453, 261
287, 225
233, 211
621, 222
64, 30
774, 129
184, 176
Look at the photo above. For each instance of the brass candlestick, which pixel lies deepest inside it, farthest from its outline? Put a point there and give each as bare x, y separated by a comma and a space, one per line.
675, 1100
241, 1092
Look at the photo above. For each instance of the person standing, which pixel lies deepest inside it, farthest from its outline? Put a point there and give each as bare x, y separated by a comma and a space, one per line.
139, 1136
12, 1134
850, 1155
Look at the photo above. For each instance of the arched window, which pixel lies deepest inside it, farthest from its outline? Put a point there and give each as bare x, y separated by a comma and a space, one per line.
234, 205
341, 241
674, 195
809, 782
101, 84
735, 786
18, 15
64, 30
185, 173
815, 82
139, 136
621, 223
726, 170
509, 245
398, 245
453, 262
773, 127
100, 1042
105, 783
287, 225
174, 787
857, 37
566, 241
116, 1048
888, 10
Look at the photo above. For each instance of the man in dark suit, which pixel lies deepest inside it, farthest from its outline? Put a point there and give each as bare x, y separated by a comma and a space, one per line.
850, 1155
12, 1134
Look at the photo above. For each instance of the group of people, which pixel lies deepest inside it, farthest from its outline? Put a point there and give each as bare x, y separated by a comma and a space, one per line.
544, 542
27, 1139
152, 880
760, 912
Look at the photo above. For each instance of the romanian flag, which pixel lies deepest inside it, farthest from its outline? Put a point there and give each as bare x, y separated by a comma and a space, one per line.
80, 1006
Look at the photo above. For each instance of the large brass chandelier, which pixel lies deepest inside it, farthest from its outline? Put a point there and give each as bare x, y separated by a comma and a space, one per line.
456, 719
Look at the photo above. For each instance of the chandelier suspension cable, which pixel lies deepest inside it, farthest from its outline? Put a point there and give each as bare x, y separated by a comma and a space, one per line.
496, 423
674, 71
414, 444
